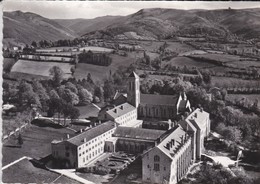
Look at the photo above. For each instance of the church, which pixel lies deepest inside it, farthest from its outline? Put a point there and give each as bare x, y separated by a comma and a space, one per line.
147, 106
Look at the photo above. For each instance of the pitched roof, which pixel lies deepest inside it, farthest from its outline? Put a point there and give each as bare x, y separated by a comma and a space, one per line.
152, 99
120, 110
177, 135
133, 74
138, 133
92, 133
182, 105
117, 94
198, 118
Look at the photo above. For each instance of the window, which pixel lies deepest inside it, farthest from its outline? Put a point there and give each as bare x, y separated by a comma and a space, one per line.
156, 158
79, 148
156, 167
148, 166
67, 154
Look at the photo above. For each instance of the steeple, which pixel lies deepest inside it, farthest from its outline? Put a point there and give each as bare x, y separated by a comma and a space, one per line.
133, 89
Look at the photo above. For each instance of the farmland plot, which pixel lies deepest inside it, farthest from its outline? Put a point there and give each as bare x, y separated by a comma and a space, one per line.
99, 73
39, 68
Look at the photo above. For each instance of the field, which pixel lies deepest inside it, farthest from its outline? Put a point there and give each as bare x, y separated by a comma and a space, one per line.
189, 62
233, 82
99, 73
179, 47
36, 143
96, 49
251, 98
39, 68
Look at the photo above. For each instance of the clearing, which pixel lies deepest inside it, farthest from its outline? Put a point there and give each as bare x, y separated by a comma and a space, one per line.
39, 68
99, 73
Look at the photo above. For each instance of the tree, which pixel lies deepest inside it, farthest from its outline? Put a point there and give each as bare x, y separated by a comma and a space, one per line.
34, 44
85, 97
20, 140
109, 90
99, 92
57, 75
72, 69
70, 97
41, 92
89, 79
74, 113
71, 87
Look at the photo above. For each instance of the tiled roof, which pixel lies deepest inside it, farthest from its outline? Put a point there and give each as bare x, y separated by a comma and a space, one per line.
92, 133
138, 133
158, 99
174, 140
120, 110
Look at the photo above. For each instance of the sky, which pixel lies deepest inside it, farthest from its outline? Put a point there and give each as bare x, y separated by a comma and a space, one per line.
91, 9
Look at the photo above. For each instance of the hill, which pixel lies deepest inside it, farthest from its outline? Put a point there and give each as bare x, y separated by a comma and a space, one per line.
83, 26
164, 23
20, 27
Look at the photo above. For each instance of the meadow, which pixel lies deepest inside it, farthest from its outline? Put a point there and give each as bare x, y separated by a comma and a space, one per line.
233, 82
39, 68
98, 73
251, 98
180, 61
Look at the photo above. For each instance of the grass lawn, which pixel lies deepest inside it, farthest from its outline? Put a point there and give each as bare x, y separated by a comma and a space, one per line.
95, 178
25, 172
88, 111
9, 124
36, 143
40, 68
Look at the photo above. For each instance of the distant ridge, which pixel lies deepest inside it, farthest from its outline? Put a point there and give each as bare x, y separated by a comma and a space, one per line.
155, 23
25, 27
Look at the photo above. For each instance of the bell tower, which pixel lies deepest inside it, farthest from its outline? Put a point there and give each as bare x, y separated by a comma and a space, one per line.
133, 89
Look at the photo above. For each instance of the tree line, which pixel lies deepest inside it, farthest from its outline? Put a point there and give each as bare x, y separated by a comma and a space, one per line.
94, 58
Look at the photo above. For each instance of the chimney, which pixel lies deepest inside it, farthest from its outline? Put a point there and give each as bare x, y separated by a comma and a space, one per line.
115, 110
81, 130
68, 136
121, 107
201, 109
195, 115
85, 139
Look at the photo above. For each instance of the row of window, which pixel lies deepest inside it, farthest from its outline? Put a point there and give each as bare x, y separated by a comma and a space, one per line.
93, 154
154, 111
108, 133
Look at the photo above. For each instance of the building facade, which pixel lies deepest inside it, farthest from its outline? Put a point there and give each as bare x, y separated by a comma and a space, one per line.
80, 150
169, 161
